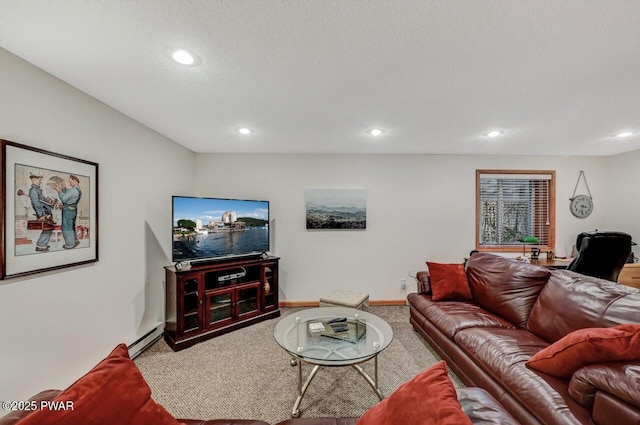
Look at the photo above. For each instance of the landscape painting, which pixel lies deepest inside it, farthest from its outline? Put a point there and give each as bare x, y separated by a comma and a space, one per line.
336, 208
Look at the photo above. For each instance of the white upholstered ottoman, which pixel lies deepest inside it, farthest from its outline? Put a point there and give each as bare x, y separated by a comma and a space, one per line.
346, 298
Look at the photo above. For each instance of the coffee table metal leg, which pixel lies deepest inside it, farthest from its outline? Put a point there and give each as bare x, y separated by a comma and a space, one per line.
371, 382
295, 412
375, 359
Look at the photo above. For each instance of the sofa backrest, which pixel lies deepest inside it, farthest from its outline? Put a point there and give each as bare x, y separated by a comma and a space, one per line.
506, 287
571, 301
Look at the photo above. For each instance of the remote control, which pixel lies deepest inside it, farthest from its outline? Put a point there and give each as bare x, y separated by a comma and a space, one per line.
339, 327
337, 320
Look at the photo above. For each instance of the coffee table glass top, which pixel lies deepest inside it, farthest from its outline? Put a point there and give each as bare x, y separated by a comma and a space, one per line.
311, 336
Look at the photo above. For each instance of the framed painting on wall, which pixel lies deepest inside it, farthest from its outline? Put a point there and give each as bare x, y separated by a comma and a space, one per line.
49, 211
336, 208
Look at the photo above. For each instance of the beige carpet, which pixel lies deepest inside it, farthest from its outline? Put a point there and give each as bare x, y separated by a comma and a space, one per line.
246, 375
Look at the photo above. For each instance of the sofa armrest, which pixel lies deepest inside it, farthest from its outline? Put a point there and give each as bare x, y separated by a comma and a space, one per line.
620, 379
609, 410
423, 282
482, 408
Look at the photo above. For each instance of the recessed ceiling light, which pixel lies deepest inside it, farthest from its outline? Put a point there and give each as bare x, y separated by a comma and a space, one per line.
244, 130
494, 133
624, 134
183, 57
376, 132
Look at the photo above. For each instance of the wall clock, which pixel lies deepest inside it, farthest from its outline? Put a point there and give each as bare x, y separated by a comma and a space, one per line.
581, 206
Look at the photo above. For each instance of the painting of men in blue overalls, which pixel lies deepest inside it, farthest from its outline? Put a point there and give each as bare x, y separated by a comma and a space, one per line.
56, 213
70, 197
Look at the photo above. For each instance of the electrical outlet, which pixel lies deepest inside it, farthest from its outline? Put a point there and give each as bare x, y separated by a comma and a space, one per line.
403, 283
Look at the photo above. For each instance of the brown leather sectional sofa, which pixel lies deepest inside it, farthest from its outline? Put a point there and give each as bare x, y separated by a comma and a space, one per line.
517, 310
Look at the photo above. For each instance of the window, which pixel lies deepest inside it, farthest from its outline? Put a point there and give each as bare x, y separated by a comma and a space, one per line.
513, 204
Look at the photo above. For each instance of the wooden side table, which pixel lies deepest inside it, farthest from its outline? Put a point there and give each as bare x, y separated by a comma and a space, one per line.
552, 264
630, 275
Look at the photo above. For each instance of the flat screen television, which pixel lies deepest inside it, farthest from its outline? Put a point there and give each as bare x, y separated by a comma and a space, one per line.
209, 229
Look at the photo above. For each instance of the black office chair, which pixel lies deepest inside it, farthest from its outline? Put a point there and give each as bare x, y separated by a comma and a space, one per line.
601, 254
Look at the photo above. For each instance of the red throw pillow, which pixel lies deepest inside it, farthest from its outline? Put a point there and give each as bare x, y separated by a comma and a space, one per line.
428, 399
113, 392
449, 282
587, 346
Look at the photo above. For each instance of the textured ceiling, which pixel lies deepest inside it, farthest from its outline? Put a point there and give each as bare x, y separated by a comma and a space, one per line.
312, 76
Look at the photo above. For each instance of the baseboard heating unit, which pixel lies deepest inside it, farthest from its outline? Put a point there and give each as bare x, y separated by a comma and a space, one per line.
146, 340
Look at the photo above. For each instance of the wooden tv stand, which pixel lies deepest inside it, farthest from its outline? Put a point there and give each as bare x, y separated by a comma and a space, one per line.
211, 299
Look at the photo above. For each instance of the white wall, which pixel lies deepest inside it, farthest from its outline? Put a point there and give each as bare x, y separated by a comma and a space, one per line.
56, 326
419, 207
623, 189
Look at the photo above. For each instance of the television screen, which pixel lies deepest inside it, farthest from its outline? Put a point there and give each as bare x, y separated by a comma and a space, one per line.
216, 228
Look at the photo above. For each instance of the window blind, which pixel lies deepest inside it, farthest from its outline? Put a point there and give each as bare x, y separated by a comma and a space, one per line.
512, 206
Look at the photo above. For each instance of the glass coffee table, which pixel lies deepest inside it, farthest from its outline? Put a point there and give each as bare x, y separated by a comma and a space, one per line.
332, 337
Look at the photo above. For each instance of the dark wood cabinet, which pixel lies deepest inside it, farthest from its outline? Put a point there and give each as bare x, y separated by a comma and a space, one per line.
208, 300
